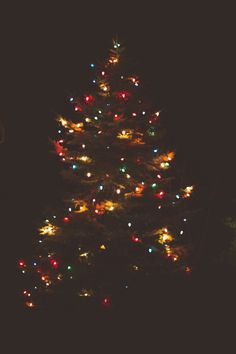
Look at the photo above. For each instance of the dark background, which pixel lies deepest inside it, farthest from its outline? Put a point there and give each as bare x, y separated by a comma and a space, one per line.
182, 52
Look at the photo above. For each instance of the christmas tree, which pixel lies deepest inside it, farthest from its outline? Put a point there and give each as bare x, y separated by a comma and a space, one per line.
122, 219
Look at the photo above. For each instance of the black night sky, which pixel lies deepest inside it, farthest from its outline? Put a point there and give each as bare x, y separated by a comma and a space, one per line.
183, 55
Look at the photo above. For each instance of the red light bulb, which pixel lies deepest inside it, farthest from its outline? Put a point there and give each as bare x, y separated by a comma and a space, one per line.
88, 98
66, 219
160, 195
21, 264
106, 301
135, 239
54, 263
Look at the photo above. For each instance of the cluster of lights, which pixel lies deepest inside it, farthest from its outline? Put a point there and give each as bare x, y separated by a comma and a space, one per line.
49, 229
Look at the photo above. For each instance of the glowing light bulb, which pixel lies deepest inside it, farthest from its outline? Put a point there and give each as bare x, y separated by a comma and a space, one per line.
118, 191
71, 131
177, 196
21, 263
103, 73
157, 114
69, 267
135, 239
69, 209
83, 146
128, 176
66, 219
134, 114
101, 188
54, 263
89, 174
106, 301
92, 65
129, 224
74, 167
181, 232
59, 131
71, 99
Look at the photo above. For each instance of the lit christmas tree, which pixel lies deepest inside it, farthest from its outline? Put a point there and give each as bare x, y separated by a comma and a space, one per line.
122, 220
